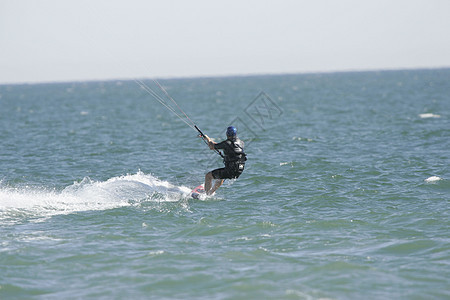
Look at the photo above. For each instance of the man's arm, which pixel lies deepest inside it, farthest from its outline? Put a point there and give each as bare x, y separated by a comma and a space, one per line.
210, 142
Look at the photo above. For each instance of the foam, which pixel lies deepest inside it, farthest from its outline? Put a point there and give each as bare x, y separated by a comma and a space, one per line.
433, 179
429, 115
88, 195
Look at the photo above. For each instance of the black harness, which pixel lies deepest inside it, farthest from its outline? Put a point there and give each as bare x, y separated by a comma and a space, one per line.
239, 157
235, 163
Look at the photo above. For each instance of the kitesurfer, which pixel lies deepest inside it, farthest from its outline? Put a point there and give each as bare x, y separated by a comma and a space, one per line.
234, 160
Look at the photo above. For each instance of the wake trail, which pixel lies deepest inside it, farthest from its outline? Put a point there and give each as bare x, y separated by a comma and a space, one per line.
87, 195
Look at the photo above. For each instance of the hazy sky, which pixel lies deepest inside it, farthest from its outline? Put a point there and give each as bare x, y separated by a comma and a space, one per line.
61, 40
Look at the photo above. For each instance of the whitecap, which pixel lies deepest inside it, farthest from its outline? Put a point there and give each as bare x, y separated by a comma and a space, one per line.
297, 138
433, 179
156, 252
287, 163
429, 115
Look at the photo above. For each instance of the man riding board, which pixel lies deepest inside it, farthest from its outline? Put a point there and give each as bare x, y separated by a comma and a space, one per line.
234, 160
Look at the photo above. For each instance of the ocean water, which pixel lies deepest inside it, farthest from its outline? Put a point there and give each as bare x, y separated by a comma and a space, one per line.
345, 194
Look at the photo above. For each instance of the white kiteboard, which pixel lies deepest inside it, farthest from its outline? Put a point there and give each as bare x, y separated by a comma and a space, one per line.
198, 192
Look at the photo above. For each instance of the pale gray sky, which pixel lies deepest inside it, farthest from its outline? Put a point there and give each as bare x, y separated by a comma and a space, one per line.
63, 40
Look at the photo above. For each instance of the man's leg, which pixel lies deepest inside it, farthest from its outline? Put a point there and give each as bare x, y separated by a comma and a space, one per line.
217, 184
208, 182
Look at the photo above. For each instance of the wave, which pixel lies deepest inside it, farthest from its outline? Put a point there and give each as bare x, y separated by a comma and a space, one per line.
87, 195
433, 179
429, 115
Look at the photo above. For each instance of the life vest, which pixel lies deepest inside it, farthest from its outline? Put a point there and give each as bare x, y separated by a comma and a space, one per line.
234, 152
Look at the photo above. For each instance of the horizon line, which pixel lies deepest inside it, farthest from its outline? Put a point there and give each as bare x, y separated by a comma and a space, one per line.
199, 76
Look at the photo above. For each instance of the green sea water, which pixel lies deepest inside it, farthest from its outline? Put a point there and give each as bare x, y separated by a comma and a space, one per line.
345, 194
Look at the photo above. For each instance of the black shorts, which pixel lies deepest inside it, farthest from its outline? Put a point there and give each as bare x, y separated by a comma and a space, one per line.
229, 172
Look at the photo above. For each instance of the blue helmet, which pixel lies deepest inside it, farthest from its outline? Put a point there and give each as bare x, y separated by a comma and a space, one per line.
231, 131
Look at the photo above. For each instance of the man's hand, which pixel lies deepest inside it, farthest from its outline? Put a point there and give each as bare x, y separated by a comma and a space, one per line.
210, 142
